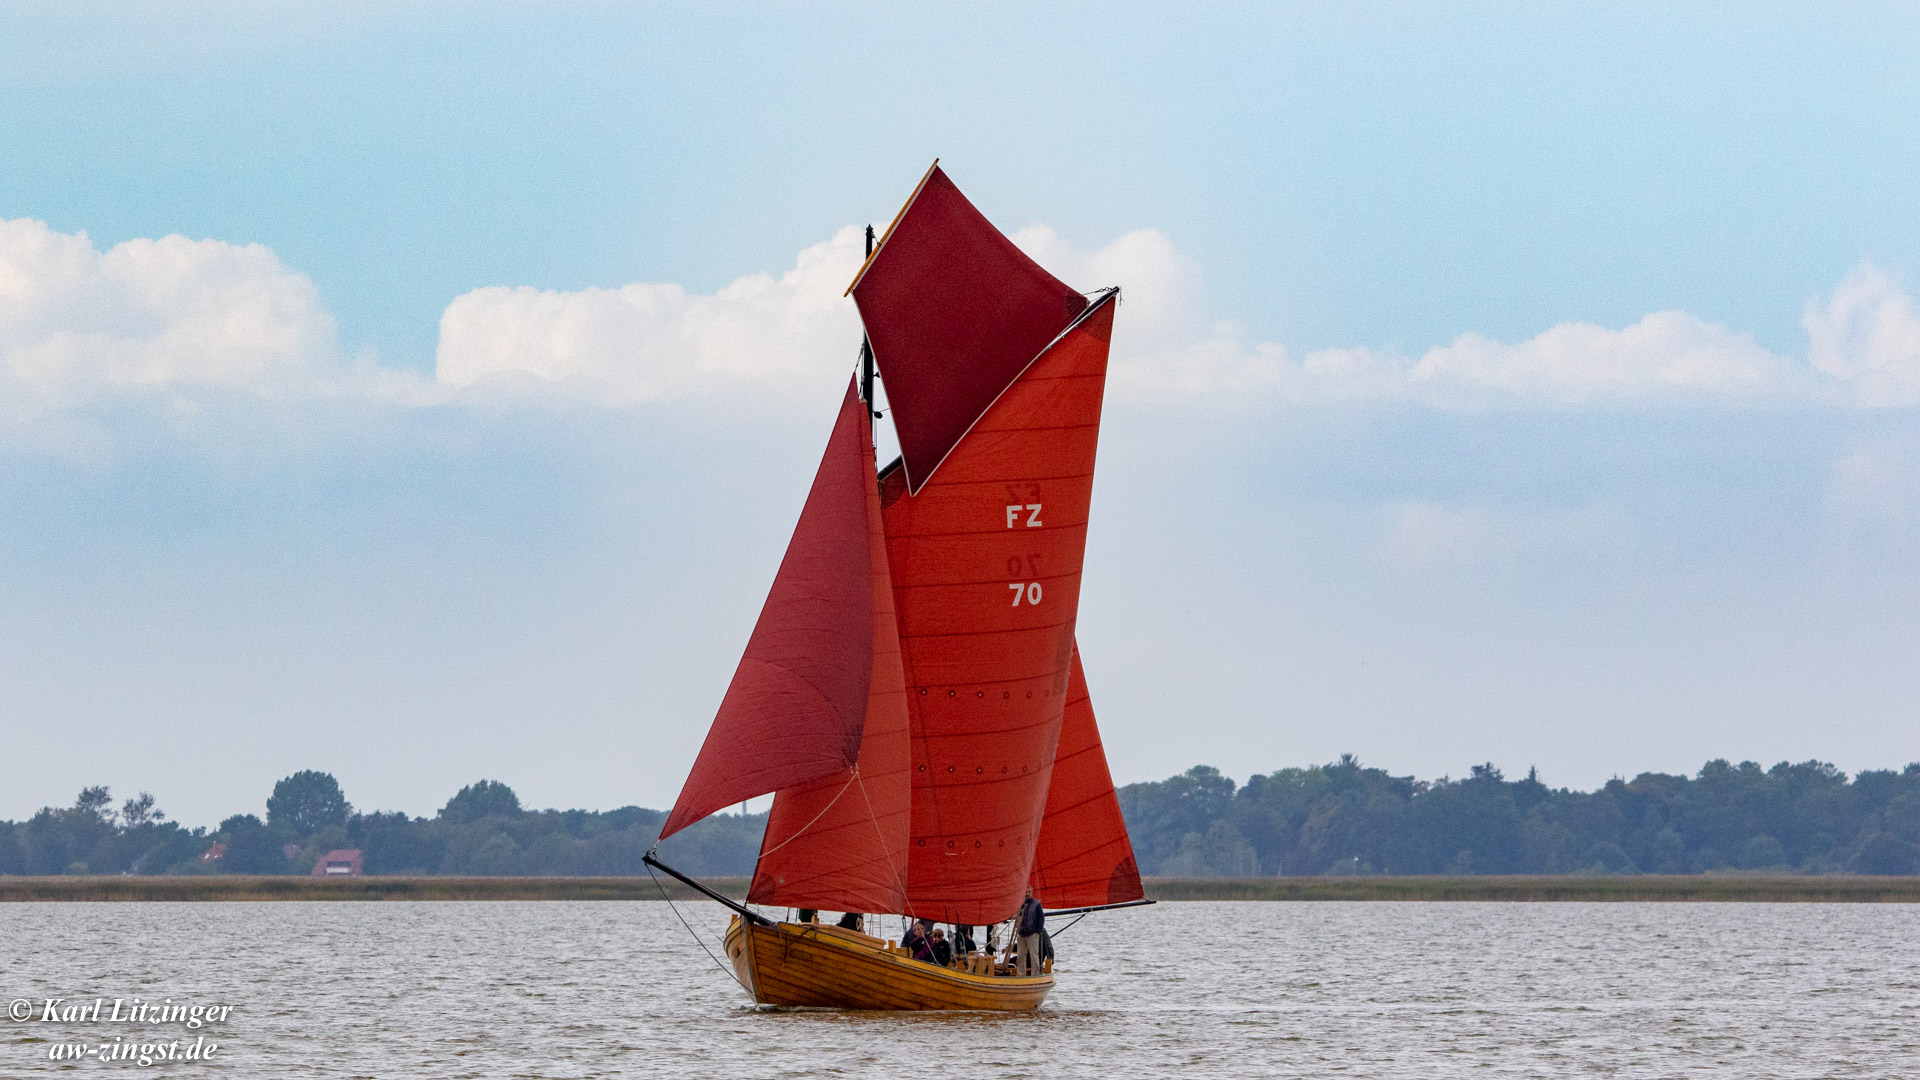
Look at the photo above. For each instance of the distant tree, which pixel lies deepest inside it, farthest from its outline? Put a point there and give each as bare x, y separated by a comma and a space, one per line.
1222, 852
1762, 852
140, 811
251, 847
1667, 854
393, 843
1607, 857
1883, 854
486, 798
94, 802
307, 802
1170, 809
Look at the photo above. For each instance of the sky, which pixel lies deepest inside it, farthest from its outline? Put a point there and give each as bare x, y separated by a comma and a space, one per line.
425, 392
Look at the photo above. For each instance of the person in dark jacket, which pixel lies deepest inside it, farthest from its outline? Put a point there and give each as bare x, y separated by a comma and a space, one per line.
853, 921
963, 940
1032, 922
942, 948
916, 942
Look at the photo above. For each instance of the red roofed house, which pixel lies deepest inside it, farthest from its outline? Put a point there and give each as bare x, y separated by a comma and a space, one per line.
342, 863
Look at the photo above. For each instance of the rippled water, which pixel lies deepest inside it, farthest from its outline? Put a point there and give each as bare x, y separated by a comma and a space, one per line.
1192, 989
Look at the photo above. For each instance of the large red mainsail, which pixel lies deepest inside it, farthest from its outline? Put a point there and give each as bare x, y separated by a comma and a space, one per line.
839, 843
955, 313
798, 702
986, 565
1084, 858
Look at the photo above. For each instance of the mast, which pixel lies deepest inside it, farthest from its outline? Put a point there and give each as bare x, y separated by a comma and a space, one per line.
866, 352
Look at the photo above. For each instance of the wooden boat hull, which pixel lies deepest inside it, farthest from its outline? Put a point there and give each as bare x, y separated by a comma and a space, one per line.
807, 965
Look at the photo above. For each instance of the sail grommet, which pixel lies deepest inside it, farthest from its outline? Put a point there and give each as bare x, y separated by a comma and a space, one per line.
979, 768
979, 693
923, 691
949, 768
953, 693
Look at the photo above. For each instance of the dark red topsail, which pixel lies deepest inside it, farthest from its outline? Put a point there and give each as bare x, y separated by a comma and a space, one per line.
955, 313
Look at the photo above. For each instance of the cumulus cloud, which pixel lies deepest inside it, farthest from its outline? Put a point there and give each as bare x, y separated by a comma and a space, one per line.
76, 322
1867, 337
174, 314
1166, 343
1668, 352
646, 342
1168, 346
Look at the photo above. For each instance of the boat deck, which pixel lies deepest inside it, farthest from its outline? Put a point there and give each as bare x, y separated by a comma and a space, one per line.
813, 965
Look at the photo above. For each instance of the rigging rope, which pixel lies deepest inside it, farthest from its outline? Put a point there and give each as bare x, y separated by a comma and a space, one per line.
697, 939
1069, 926
855, 770
898, 878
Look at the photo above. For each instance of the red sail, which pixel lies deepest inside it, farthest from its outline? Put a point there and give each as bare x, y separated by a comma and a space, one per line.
986, 572
798, 701
840, 842
1084, 857
955, 313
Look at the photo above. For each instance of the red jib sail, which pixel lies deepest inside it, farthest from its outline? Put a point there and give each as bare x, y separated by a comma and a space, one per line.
839, 843
986, 570
955, 313
798, 702
1084, 857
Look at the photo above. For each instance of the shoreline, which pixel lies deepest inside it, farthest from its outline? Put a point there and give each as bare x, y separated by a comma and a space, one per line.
1692, 888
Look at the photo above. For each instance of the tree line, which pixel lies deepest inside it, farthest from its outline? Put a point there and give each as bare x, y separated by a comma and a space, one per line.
482, 830
1338, 818
1347, 818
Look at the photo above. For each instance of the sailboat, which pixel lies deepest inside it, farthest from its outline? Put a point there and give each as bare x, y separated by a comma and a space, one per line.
912, 694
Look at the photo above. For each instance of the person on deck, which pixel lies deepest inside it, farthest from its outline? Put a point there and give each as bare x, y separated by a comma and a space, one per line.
916, 942
963, 940
809, 915
1033, 920
852, 920
941, 947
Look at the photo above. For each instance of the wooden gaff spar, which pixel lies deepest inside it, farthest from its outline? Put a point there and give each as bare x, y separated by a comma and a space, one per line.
912, 695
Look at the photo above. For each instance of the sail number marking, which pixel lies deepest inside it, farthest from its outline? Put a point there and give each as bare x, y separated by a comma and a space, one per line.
1029, 590
1031, 510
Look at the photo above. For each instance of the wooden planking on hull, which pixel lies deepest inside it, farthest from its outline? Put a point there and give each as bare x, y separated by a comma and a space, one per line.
827, 967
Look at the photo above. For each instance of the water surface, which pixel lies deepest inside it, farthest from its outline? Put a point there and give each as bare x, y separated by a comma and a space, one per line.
557, 989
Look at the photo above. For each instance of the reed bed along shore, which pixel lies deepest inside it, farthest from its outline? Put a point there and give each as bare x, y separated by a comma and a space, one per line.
1636, 887
1642, 887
